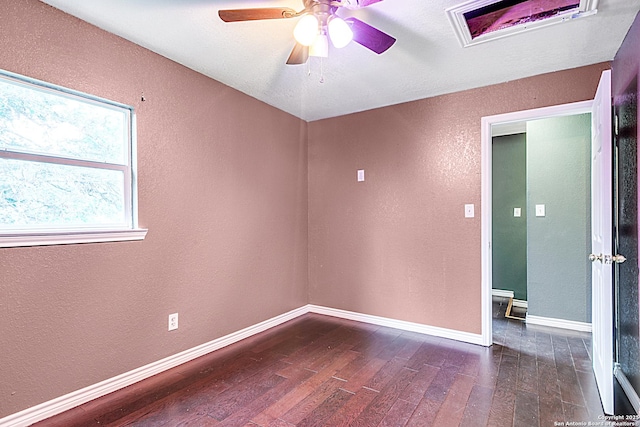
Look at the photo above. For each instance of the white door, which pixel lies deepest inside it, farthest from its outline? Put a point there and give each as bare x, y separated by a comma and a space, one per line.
601, 242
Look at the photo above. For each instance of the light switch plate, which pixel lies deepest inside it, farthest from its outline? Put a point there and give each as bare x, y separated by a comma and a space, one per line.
360, 175
469, 211
540, 210
517, 212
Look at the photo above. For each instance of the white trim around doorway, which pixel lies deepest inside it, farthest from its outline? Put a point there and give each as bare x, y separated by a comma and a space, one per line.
486, 141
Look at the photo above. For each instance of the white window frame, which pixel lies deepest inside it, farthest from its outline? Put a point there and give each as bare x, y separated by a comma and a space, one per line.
71, 235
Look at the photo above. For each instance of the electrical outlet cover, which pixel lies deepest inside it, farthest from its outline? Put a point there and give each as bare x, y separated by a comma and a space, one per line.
173, 321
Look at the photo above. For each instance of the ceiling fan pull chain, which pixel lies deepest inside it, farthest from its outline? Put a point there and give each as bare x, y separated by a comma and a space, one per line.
321, 70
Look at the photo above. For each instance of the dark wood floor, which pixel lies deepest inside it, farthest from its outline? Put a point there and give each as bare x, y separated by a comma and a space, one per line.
322, 371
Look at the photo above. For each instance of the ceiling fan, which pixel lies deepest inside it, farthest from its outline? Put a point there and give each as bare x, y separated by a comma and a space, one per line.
318, 23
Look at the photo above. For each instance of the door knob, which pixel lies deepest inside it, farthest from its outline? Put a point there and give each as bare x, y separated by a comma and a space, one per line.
612, 259
607, 259
618, 259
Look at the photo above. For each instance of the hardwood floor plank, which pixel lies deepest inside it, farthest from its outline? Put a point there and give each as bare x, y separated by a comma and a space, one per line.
456, 356
391, 350
452, 410
587, 383
549, 400
437, 356
424, 414
489, 366
385, 374
502, 407
280, 423
411, 346
508, 372
439, 387
326, 409
567, 379
199, 421
478, 406
375, 412
376, 342
416, 390
347, 372
544, 348
576, 413
550, 411
526, 409
579, 354
313, 400
419, 358
346, 415
75, 417
472, 360
398, 414
328, 357
548, 380
527, 378
364, 375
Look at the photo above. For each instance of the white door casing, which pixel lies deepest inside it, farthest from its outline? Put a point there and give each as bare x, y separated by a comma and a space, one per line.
601, 241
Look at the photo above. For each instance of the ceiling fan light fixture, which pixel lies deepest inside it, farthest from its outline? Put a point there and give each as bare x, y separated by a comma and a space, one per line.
320, 46
306, 30
340, 32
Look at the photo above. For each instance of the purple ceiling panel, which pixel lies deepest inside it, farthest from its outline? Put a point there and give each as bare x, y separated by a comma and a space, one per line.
508, 13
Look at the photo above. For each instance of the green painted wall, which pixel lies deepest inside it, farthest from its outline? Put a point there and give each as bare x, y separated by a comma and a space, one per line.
509, 238
558, 176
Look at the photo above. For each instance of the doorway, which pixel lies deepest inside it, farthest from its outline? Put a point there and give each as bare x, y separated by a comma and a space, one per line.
488, 124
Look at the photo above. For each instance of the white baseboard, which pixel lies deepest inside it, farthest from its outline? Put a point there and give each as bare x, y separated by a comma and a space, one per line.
399, 324
520, 303
68, 401
71, 400
502, 293
627, 388
559, 323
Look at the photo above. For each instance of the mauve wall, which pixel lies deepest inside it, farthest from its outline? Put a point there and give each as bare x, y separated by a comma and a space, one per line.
398, 244
222, 190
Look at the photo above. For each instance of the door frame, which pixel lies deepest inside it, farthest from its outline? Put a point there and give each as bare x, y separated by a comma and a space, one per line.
486, 196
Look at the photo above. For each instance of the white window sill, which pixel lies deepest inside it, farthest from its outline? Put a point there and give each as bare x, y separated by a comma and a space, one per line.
10, 240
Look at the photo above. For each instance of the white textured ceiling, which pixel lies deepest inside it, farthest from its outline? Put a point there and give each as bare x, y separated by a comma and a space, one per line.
427, 59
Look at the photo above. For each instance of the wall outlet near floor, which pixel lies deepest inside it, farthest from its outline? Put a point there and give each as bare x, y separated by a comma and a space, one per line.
173, 321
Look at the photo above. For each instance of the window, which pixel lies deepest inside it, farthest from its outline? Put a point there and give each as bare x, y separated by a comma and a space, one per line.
66, 166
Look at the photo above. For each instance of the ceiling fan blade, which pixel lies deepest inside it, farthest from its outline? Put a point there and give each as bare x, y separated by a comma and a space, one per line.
235, 15
299, 55
370, 37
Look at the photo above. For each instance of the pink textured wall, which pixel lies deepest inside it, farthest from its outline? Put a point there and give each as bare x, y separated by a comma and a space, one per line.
397, 245
222, 190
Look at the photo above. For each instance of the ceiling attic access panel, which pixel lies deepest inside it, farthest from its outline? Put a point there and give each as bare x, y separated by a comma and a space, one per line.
478, 21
